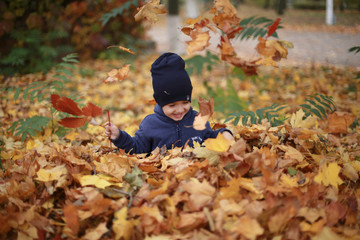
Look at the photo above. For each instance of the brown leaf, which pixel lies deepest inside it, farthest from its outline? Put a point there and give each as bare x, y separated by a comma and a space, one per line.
150, 10
71, 218
206, 111
338, 122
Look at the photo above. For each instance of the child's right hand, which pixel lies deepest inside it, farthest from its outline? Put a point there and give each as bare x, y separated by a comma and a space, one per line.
111, 131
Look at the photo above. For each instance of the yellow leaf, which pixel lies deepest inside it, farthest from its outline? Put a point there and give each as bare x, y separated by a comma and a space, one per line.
297, 120
291, 153
121, 226
329, 175
94, 180
218, 144
46, 175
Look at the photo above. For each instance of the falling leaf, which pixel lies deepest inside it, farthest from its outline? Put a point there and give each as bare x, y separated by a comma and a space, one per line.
218, 144
150, 10
272, 28
123, 48
206, 111
116, 75
200, 40
329, 175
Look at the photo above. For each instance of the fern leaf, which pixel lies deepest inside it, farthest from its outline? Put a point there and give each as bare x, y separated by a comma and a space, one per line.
316, 112
29, 126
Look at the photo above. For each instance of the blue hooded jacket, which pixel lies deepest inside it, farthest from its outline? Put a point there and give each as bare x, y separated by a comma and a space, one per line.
157, 130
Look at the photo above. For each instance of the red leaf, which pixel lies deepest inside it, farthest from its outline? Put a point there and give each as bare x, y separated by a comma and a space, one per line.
54, 99
91, 110
273, 27
73, 122
67, 105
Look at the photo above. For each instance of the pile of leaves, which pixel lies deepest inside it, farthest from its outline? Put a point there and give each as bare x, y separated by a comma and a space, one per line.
297, 180
294, 181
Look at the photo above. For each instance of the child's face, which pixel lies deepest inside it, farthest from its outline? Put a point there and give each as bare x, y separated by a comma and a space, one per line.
176, 110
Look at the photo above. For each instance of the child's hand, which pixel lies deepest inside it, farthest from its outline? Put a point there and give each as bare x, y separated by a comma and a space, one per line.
111, 131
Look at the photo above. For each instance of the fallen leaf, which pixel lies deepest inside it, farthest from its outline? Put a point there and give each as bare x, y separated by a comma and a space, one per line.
329, 175
218, 144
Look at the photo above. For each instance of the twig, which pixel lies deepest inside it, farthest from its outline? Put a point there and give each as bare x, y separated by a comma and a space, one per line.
129, 194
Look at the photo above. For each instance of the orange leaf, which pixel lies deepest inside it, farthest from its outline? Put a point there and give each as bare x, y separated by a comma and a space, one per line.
150, 10
123, 48
273, 27
200, 40
67, 105
71, 218
73, 122
118, 74
226, 48
91, 110
338, 122
206, 111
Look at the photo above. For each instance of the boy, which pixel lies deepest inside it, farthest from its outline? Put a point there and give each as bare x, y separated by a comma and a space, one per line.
172, 122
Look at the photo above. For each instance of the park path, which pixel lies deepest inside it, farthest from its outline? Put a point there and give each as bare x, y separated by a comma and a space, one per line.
325, 48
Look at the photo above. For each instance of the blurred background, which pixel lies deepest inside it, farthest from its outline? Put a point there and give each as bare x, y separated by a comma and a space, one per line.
34, 35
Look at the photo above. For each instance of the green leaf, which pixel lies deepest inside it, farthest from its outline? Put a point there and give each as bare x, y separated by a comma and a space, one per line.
29, 126
134, 178
292, 171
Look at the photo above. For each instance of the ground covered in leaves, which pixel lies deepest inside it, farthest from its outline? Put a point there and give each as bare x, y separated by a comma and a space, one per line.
298, 180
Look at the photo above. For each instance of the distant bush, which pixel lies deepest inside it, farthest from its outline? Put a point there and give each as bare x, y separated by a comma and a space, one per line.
36, 34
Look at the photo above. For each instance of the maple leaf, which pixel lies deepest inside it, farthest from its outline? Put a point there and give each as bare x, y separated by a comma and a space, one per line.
122, 227
297, 120
46, 175
338, 122
150, 10
201, 193
116, 75
218, 144
200, 40
71, 218
206, 111
329, 175
248, 227
271, 48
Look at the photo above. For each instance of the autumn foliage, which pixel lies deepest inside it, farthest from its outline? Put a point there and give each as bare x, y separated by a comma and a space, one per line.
297, 180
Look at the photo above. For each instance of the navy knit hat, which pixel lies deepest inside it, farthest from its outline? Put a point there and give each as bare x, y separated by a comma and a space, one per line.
170, 80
